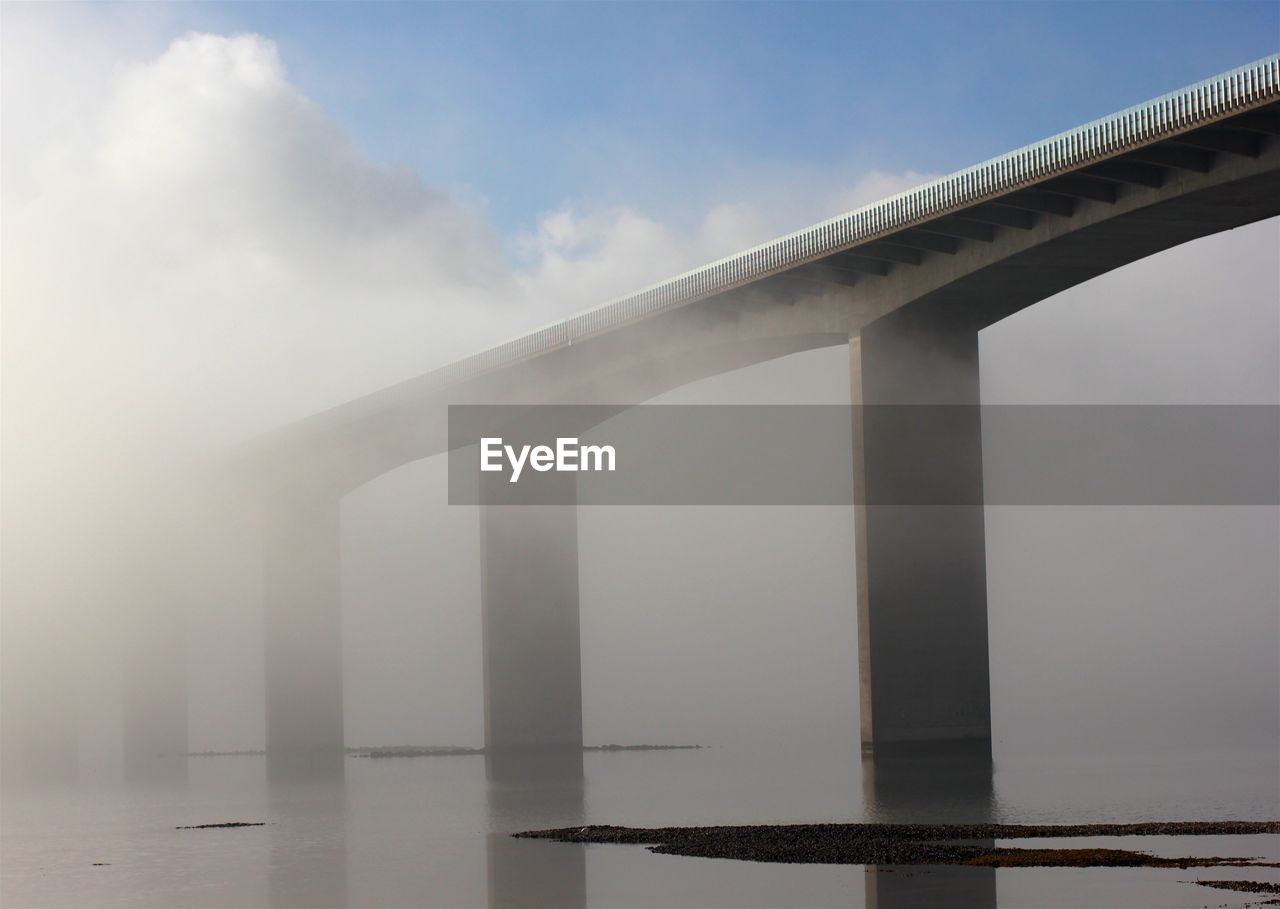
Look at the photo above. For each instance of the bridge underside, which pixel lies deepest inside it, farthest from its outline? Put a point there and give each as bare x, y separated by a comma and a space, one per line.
906, 304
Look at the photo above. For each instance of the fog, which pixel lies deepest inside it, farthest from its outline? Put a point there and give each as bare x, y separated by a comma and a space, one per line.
196, 253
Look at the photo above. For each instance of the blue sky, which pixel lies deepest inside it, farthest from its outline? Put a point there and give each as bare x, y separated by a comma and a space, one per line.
673, 107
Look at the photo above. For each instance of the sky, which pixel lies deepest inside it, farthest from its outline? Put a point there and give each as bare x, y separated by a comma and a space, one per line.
219, 218
675, 107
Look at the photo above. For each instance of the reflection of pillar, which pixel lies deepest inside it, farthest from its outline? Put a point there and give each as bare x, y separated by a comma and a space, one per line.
532, 650
936, 887
529, 873
303, 630
308, 845
921, 569
930, 783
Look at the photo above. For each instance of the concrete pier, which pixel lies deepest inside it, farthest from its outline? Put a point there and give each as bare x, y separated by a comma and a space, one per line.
921, 568
155, 688
49, 720
303, 630
532, 646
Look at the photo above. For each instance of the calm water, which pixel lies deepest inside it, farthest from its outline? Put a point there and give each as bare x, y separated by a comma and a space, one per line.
433, 832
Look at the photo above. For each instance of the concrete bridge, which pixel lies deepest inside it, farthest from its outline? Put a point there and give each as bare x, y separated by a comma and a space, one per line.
905, 284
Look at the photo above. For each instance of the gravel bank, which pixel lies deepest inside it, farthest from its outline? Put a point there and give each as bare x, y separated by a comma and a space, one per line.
912, 844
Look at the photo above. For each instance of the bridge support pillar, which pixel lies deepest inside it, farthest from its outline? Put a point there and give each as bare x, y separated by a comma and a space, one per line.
921, 568
532, 647
303, 630
155, 686
48, 716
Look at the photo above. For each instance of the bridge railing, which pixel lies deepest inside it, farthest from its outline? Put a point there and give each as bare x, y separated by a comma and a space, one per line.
1177, 112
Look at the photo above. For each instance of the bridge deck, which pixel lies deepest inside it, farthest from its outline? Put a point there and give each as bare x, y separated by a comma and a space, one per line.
1182, 130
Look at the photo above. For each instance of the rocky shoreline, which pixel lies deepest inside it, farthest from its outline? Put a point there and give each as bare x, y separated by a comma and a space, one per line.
915, 844
433, 750
384, 751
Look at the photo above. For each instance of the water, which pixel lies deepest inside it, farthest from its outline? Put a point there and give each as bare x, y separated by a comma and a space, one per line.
433, 832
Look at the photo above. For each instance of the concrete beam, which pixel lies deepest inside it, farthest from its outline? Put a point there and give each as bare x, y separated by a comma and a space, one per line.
921, 569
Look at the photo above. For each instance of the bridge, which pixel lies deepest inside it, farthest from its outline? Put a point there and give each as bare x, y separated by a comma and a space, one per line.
906, 284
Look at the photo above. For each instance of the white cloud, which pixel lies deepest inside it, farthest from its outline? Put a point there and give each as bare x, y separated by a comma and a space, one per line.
874, 186
217, 228
196, 239
580, 260
583, 259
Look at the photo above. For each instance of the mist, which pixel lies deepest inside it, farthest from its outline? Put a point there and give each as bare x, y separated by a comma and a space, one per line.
196, 253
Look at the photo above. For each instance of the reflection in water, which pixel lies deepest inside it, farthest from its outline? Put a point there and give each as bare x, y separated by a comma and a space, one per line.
413, 832
308, 843
554, 764
950, 784
311, 765
541, 790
